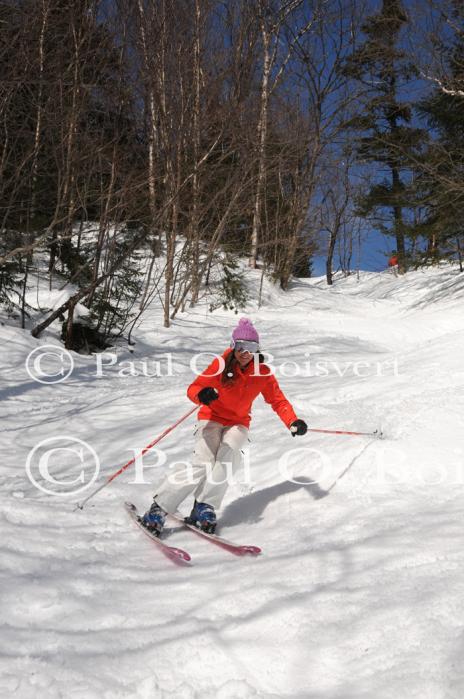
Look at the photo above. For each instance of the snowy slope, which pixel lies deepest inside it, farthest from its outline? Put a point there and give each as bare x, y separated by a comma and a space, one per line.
359, 593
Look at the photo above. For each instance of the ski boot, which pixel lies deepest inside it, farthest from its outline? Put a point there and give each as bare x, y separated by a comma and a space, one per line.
203, 516
154, 519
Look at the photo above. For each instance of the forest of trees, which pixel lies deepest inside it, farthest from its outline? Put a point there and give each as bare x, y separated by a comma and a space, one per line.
146, 145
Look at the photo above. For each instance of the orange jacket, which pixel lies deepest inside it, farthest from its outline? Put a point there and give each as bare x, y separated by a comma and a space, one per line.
393, 261
233, 406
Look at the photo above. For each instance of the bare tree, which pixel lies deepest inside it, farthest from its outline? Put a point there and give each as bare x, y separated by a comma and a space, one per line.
272, 18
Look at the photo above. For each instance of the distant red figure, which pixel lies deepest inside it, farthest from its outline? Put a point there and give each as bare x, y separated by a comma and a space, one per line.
393, 261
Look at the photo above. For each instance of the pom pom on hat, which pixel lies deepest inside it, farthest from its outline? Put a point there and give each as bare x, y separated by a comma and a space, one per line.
245, 330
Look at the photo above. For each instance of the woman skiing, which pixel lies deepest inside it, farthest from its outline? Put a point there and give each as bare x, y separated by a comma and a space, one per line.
225, 391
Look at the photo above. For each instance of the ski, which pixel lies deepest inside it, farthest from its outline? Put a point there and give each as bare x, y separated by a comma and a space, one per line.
237, 549
174, 554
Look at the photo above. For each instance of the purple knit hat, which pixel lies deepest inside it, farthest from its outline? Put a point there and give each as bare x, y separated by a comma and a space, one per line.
245, 330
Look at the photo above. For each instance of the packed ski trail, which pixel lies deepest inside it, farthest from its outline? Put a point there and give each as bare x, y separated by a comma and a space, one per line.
359, 592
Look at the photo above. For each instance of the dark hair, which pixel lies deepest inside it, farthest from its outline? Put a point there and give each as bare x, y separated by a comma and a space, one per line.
229, 368
228, 373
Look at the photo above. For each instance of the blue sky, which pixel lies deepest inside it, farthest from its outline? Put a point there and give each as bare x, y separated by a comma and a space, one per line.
376, 246
375, 251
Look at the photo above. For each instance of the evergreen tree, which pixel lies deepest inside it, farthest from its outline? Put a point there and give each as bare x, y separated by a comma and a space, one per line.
232, 292
387, 137
441, 170
10, 272
113, 304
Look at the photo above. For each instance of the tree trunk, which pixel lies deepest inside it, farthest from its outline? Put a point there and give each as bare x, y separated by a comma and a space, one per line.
458, 246
68, 340
194, 228
262, 139
152, 114
23, 298
399, 230
38, 125
330, 254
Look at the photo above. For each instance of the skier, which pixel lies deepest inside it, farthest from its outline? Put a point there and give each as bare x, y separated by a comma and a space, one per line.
393, 262
225, 391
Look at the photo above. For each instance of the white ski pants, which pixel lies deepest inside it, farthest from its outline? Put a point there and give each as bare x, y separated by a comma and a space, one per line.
216, 454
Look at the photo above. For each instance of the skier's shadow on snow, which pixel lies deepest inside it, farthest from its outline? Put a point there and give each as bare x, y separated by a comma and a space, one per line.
249, 509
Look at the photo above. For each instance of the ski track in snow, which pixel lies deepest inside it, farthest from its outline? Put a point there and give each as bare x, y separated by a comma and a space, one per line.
359, 593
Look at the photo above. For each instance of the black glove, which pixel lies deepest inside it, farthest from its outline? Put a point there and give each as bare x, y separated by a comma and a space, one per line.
298, 427
206, 395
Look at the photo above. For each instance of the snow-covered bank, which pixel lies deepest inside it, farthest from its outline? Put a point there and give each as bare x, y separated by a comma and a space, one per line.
359, 592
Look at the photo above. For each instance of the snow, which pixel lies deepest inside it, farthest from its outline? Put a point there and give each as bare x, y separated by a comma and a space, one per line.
359, 593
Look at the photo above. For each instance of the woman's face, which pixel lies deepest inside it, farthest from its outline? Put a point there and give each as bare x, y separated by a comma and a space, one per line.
243, 357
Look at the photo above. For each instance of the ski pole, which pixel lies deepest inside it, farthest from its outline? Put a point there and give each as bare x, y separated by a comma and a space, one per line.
376, 433
80, 506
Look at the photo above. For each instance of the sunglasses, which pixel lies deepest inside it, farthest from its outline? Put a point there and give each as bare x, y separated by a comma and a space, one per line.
246, 346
